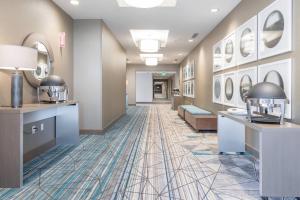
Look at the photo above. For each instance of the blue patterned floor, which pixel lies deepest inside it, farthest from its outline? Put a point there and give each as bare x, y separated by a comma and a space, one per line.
148, 154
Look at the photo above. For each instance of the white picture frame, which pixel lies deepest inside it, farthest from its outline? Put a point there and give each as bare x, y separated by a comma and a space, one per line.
246, 43
280, 73
229, 47
218, 56
246, 79
275, 29
230, 89
217, 89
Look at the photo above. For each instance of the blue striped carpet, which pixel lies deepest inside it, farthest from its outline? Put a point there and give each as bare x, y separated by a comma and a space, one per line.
148, 154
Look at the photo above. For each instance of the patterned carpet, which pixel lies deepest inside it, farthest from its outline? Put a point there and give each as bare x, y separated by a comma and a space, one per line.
148, 154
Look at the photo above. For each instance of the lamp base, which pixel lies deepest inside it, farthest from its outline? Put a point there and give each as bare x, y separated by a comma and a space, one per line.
16, 90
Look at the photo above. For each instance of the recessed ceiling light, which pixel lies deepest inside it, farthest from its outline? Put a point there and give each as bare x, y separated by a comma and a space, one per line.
180, 54
147, 3
158, 56
144, 3
191, 40
74, 2
159, 35
149, 46
215, 10
151, 61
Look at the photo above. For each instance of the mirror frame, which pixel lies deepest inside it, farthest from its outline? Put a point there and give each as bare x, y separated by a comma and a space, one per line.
30, 41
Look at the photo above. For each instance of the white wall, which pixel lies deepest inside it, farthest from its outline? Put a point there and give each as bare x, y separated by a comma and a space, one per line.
144, 87
131, 72
88, 73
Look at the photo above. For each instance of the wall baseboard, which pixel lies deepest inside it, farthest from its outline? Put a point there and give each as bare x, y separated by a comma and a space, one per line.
91, 132
252, 151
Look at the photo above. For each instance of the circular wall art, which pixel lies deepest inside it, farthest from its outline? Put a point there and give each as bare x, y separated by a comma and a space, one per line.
274, 77
245, 86
229, 89
229, 51
247, 43
273, 29
217, 89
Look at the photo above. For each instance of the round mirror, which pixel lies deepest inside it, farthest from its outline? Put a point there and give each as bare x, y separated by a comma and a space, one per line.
274, 77
247, 43
45, 59
229, 51
229, 89
217, 89
273, 29
245, 86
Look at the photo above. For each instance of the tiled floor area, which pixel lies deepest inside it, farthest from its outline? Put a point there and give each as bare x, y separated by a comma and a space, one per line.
148, 154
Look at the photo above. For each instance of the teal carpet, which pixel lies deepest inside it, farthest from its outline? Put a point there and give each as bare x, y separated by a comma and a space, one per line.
148, 154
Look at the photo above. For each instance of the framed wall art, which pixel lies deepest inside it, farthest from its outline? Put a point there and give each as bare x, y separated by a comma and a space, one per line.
229, 51
218, 89
247, 42
275, 29
246, 79
230, 89
218, 57
279, 73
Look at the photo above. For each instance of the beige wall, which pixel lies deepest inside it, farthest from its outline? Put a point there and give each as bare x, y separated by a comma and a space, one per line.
18, 18
99, 75
204, 63
131, 72
113, 78
88, 72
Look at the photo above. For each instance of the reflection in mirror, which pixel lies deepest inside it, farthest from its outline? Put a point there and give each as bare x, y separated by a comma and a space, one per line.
44, 63
45, 58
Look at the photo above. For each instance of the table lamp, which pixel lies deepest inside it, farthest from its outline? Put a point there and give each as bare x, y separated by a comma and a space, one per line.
17, 58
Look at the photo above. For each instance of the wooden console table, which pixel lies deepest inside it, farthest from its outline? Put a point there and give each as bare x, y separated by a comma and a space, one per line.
12, 122
279, 161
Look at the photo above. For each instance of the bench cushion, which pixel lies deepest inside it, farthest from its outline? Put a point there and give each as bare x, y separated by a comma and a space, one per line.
195, 110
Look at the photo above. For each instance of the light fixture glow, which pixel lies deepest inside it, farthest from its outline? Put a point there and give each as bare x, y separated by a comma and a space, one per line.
144, 3
215, 10
149, 45
160, 35
151, 61
191, 40
74, 2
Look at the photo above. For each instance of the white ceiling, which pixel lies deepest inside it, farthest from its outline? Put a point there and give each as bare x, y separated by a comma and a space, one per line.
187, 18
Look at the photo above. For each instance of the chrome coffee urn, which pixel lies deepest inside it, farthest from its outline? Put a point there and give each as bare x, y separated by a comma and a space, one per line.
266, 103
53, 89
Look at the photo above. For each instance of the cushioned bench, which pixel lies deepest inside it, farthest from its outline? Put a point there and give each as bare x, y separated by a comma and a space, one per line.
199, 119
182, 108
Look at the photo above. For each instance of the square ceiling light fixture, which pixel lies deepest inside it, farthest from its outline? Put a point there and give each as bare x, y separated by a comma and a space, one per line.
147, 3
150, 41
151, 59
149, 45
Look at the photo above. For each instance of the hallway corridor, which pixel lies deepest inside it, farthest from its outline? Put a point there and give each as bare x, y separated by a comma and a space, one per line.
148, 154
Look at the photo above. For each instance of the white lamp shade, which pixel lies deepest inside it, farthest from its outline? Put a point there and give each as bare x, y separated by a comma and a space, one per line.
18, 57
149, 46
